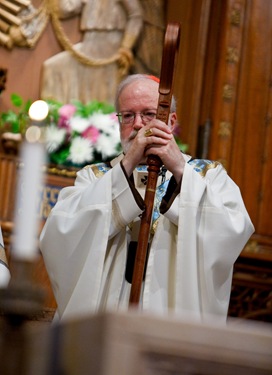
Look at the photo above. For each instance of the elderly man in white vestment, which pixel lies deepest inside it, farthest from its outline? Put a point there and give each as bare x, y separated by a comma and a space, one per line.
199, 226
4, 269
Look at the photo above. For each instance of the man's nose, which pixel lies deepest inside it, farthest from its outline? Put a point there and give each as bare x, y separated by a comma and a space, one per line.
138, 122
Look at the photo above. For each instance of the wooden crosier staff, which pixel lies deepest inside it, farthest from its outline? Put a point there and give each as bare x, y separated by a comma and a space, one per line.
171, 44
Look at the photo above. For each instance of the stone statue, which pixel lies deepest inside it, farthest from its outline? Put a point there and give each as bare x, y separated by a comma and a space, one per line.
113, 30
110, 27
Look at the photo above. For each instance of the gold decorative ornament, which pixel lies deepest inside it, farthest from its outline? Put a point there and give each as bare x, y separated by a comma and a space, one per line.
227, 92
224, 129
232, 55
235, 16
148, 132
252, 247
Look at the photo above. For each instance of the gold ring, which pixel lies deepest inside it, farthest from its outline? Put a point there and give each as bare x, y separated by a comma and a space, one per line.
148, 132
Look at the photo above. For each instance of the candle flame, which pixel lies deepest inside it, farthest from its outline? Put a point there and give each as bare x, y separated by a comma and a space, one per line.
38, 110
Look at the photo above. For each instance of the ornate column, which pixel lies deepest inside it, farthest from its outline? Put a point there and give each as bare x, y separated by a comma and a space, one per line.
226, 78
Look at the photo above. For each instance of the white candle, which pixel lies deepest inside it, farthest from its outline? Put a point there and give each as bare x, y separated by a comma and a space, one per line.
29, 185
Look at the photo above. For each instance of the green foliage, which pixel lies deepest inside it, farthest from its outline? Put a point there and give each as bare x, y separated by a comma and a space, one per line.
54, 107
60, 157
182, 146
16, 120
85, 110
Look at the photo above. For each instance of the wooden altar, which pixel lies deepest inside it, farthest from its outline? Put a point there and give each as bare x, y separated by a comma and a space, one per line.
133, 343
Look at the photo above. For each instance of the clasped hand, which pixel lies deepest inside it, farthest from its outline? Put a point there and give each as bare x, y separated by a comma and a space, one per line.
155, 138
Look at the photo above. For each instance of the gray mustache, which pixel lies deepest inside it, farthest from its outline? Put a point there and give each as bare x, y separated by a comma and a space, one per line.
133, 135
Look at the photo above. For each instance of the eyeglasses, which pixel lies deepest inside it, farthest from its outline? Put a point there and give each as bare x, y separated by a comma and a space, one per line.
128, 117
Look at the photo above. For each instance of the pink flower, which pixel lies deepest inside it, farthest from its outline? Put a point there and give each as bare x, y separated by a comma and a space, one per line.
67, 110
63, 123
113, 116
91, 133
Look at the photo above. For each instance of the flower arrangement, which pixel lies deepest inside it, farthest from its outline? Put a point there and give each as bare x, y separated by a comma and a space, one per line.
75, 134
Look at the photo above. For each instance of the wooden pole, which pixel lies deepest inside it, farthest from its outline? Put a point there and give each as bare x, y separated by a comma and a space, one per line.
171, 44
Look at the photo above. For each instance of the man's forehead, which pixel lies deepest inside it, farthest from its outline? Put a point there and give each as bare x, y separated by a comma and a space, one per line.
138, 87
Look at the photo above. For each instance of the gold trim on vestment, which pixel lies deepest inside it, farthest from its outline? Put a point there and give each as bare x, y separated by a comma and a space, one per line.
3, 257
97, 172
207, 167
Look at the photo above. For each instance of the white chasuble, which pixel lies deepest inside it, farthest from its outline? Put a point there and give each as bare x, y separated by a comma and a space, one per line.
196, 241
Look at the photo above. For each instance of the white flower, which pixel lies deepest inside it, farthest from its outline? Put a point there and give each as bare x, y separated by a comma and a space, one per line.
81, 151
79, 124
114, 132
54, 137
103, 122
106, 146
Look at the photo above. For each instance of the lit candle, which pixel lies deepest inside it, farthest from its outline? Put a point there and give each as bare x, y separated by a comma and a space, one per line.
29, 184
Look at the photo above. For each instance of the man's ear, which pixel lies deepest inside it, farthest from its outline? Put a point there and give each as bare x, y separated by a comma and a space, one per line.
173, 120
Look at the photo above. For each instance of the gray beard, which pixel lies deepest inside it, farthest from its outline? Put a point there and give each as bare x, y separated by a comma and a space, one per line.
126, 143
